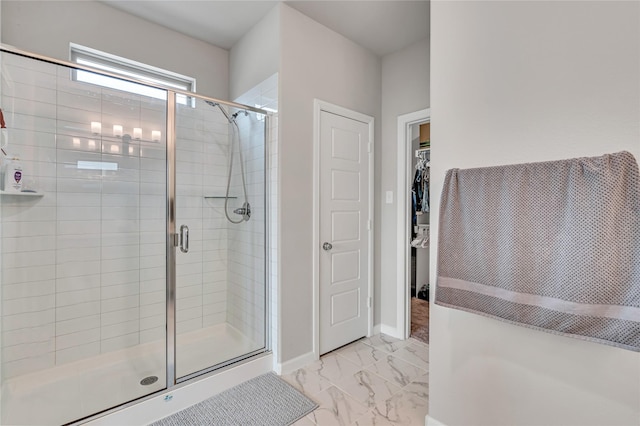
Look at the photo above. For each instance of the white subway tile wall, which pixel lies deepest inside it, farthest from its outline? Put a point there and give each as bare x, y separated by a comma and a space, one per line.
247, 292
202, 143
246, 311
83, 266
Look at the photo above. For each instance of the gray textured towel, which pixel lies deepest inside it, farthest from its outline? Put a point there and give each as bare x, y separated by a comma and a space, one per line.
553, 246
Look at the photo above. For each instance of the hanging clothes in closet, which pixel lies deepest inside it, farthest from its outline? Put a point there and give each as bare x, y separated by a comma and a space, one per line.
420, 187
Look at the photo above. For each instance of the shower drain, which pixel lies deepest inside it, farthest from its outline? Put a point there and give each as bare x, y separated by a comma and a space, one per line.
149, 380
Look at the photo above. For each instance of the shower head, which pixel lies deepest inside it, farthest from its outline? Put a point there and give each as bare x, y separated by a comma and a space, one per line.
233, 116
244, 111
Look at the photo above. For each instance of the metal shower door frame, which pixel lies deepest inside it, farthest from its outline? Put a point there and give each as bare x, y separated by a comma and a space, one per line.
171, 240
172, 243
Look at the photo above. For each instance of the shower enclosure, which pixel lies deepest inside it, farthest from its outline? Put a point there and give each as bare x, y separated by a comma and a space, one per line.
133, 257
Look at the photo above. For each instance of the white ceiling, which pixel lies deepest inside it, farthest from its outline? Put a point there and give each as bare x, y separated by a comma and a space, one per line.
382, 26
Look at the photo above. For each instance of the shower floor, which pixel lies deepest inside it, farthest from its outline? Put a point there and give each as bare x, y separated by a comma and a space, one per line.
75, 390
210, 346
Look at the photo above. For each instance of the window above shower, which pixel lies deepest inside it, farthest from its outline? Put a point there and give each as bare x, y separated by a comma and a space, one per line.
129, 69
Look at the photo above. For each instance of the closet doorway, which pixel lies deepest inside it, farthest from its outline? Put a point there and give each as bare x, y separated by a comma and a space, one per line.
414, 156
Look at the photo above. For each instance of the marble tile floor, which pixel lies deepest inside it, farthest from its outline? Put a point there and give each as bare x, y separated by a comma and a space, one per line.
375, 381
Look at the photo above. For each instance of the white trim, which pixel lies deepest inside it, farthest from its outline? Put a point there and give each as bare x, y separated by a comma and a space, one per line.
430, 421
392, 331
318, 106
315, 243
295, 363
125, 65
403, 299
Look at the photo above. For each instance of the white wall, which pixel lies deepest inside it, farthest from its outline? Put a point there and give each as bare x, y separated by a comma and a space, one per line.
256, 56
405, 89
517, 82
47, 27
315, 62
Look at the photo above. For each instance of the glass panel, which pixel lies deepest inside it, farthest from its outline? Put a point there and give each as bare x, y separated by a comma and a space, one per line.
220, 284
83, 264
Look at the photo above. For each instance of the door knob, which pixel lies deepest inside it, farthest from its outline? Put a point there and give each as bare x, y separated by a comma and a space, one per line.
327, 246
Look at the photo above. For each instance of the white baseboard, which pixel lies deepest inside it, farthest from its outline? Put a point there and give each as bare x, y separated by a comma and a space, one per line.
430, 421
295, 363
391, 331
277, 367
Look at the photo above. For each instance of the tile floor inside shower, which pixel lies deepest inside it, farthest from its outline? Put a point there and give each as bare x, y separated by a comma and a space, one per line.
75, 390
377, 380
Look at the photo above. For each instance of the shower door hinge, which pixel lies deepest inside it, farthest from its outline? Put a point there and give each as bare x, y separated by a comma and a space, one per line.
175, 240
369, 223
369, 147
370, 302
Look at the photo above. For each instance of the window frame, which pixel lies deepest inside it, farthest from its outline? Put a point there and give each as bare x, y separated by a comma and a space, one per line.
129, 69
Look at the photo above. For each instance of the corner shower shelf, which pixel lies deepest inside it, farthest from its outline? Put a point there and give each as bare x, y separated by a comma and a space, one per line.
23, 194
217, 196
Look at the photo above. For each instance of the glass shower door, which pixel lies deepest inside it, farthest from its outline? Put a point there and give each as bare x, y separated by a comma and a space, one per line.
220, 276
82, 262
99, 307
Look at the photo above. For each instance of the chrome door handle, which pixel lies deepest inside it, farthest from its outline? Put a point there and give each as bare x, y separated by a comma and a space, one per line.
184, 239
327, 246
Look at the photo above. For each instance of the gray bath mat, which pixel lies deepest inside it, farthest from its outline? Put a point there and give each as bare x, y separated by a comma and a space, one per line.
266, 400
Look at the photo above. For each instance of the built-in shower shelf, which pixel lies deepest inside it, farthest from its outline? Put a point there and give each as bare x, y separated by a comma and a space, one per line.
217, 196
23, 194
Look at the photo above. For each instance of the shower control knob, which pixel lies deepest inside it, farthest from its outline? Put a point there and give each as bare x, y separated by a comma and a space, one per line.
327, 246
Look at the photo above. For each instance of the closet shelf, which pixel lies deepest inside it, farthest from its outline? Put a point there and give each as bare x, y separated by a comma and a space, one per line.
418, 151
23, 194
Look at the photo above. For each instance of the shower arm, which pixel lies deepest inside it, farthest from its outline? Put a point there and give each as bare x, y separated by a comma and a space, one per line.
224, 112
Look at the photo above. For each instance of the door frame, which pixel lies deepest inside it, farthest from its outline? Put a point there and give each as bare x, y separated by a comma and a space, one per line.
318, 107
403, 297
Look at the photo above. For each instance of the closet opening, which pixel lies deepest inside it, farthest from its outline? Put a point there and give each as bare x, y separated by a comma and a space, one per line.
419, 230
413, 225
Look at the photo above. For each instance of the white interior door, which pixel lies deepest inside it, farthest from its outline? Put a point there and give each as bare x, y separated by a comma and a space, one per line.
344, 230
